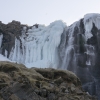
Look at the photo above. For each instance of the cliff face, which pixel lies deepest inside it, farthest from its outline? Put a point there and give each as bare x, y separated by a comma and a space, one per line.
75, 48
20, 83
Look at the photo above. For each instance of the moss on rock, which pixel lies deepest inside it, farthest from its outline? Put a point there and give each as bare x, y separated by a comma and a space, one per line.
20, 83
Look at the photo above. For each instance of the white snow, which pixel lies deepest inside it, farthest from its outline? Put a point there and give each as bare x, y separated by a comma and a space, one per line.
39, 48
3, 58
88, 62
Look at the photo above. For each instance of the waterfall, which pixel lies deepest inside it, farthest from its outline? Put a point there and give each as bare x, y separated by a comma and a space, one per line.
69, 51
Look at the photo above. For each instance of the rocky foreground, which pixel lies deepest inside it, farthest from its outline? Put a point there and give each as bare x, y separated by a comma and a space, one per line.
20, 83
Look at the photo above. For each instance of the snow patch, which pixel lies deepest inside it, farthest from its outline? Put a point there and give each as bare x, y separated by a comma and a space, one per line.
3, 58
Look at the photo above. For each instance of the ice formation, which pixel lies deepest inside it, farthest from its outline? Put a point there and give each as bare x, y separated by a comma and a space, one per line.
90, 54
88, 22
70, 46
39, 48
89, 19
1, 37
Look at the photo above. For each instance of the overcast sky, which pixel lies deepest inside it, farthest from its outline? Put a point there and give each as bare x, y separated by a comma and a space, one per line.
46, 11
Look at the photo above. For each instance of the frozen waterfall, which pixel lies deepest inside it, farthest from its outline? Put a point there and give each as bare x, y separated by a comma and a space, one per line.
69, 47
75, 48
39, 46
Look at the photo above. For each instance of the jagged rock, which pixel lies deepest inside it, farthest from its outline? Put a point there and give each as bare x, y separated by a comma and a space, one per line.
51, 96
23, 83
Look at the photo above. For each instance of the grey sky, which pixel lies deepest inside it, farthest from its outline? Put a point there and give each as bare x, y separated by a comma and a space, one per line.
46, 11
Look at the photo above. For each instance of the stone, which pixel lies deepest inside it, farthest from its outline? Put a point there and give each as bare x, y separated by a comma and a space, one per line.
73, 87
79, 92
36, 84
51, 96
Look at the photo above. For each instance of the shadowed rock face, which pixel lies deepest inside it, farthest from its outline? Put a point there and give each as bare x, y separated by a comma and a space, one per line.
20, 83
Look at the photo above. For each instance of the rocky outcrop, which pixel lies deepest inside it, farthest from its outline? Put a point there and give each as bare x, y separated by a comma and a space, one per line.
20, 83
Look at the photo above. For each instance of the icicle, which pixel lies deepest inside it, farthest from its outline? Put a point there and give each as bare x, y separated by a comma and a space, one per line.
89, 19
88, 62
6, 53
1, 37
